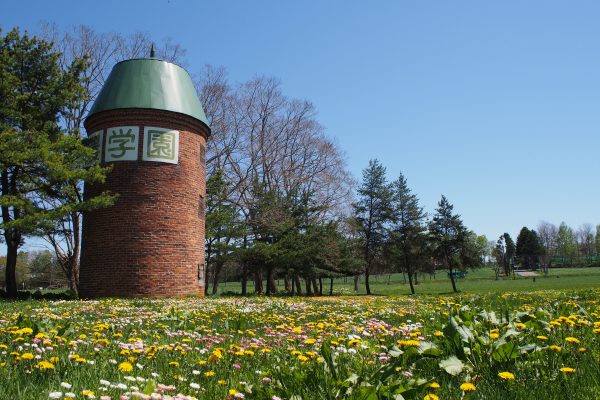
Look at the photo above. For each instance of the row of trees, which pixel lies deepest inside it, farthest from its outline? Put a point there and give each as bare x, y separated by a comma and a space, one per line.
547, 246
297, 236
568, 246
37, 269
393, 233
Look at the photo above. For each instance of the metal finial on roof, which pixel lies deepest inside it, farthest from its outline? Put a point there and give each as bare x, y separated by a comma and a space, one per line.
152, 55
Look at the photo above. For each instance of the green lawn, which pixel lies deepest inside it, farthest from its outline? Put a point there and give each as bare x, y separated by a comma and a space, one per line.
477, 281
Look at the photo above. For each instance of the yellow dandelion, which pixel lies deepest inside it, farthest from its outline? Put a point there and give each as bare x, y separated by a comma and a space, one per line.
44, 365
434, 385
438, 333
467, 387
542, 338
27, 356
209, 374
431, 396
555, 348
310, 341
174, 364
125, 367
571, 339
506, 375
567, 370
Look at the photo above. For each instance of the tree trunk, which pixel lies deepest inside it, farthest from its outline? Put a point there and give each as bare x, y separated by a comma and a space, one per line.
308, 289
244, 271
293, 284
320, 286
217, 276
452, 278
12, 236
286, 283
367, 287
12, 247
73, 274
356, 278
76, 219
271, 284
258, 284
315, 286
410, 281
331, 286
298, 285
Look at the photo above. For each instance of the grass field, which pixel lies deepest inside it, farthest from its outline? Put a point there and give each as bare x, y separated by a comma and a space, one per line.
477, 281
506, 339
517, 346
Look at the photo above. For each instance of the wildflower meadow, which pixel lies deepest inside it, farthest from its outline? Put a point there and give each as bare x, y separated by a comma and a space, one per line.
535, 345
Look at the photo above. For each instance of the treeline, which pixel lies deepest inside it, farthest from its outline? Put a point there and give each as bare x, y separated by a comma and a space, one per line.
38, 269
548, 246
295, 237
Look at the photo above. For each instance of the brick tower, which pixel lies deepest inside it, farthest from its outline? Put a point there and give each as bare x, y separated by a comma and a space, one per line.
149, 126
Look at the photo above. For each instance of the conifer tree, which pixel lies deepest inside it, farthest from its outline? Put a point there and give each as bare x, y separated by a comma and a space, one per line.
408, 231
447, 235
372, 213
528, 248
38, 163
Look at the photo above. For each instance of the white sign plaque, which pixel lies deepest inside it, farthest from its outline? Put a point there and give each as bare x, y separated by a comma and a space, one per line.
121, 143
161, 145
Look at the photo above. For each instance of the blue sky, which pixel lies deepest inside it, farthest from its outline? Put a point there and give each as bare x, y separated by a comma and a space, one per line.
494, 104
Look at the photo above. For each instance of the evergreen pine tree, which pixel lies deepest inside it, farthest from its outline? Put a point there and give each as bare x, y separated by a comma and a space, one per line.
372, 213
408, 231
39, 165
447, 235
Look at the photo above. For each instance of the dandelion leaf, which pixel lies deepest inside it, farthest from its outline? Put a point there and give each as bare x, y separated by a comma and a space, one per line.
452, 365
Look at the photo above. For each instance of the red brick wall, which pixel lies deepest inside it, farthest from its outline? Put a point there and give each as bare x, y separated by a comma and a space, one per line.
151, 241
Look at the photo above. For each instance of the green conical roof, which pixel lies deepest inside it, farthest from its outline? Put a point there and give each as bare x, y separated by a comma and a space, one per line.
149, 83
